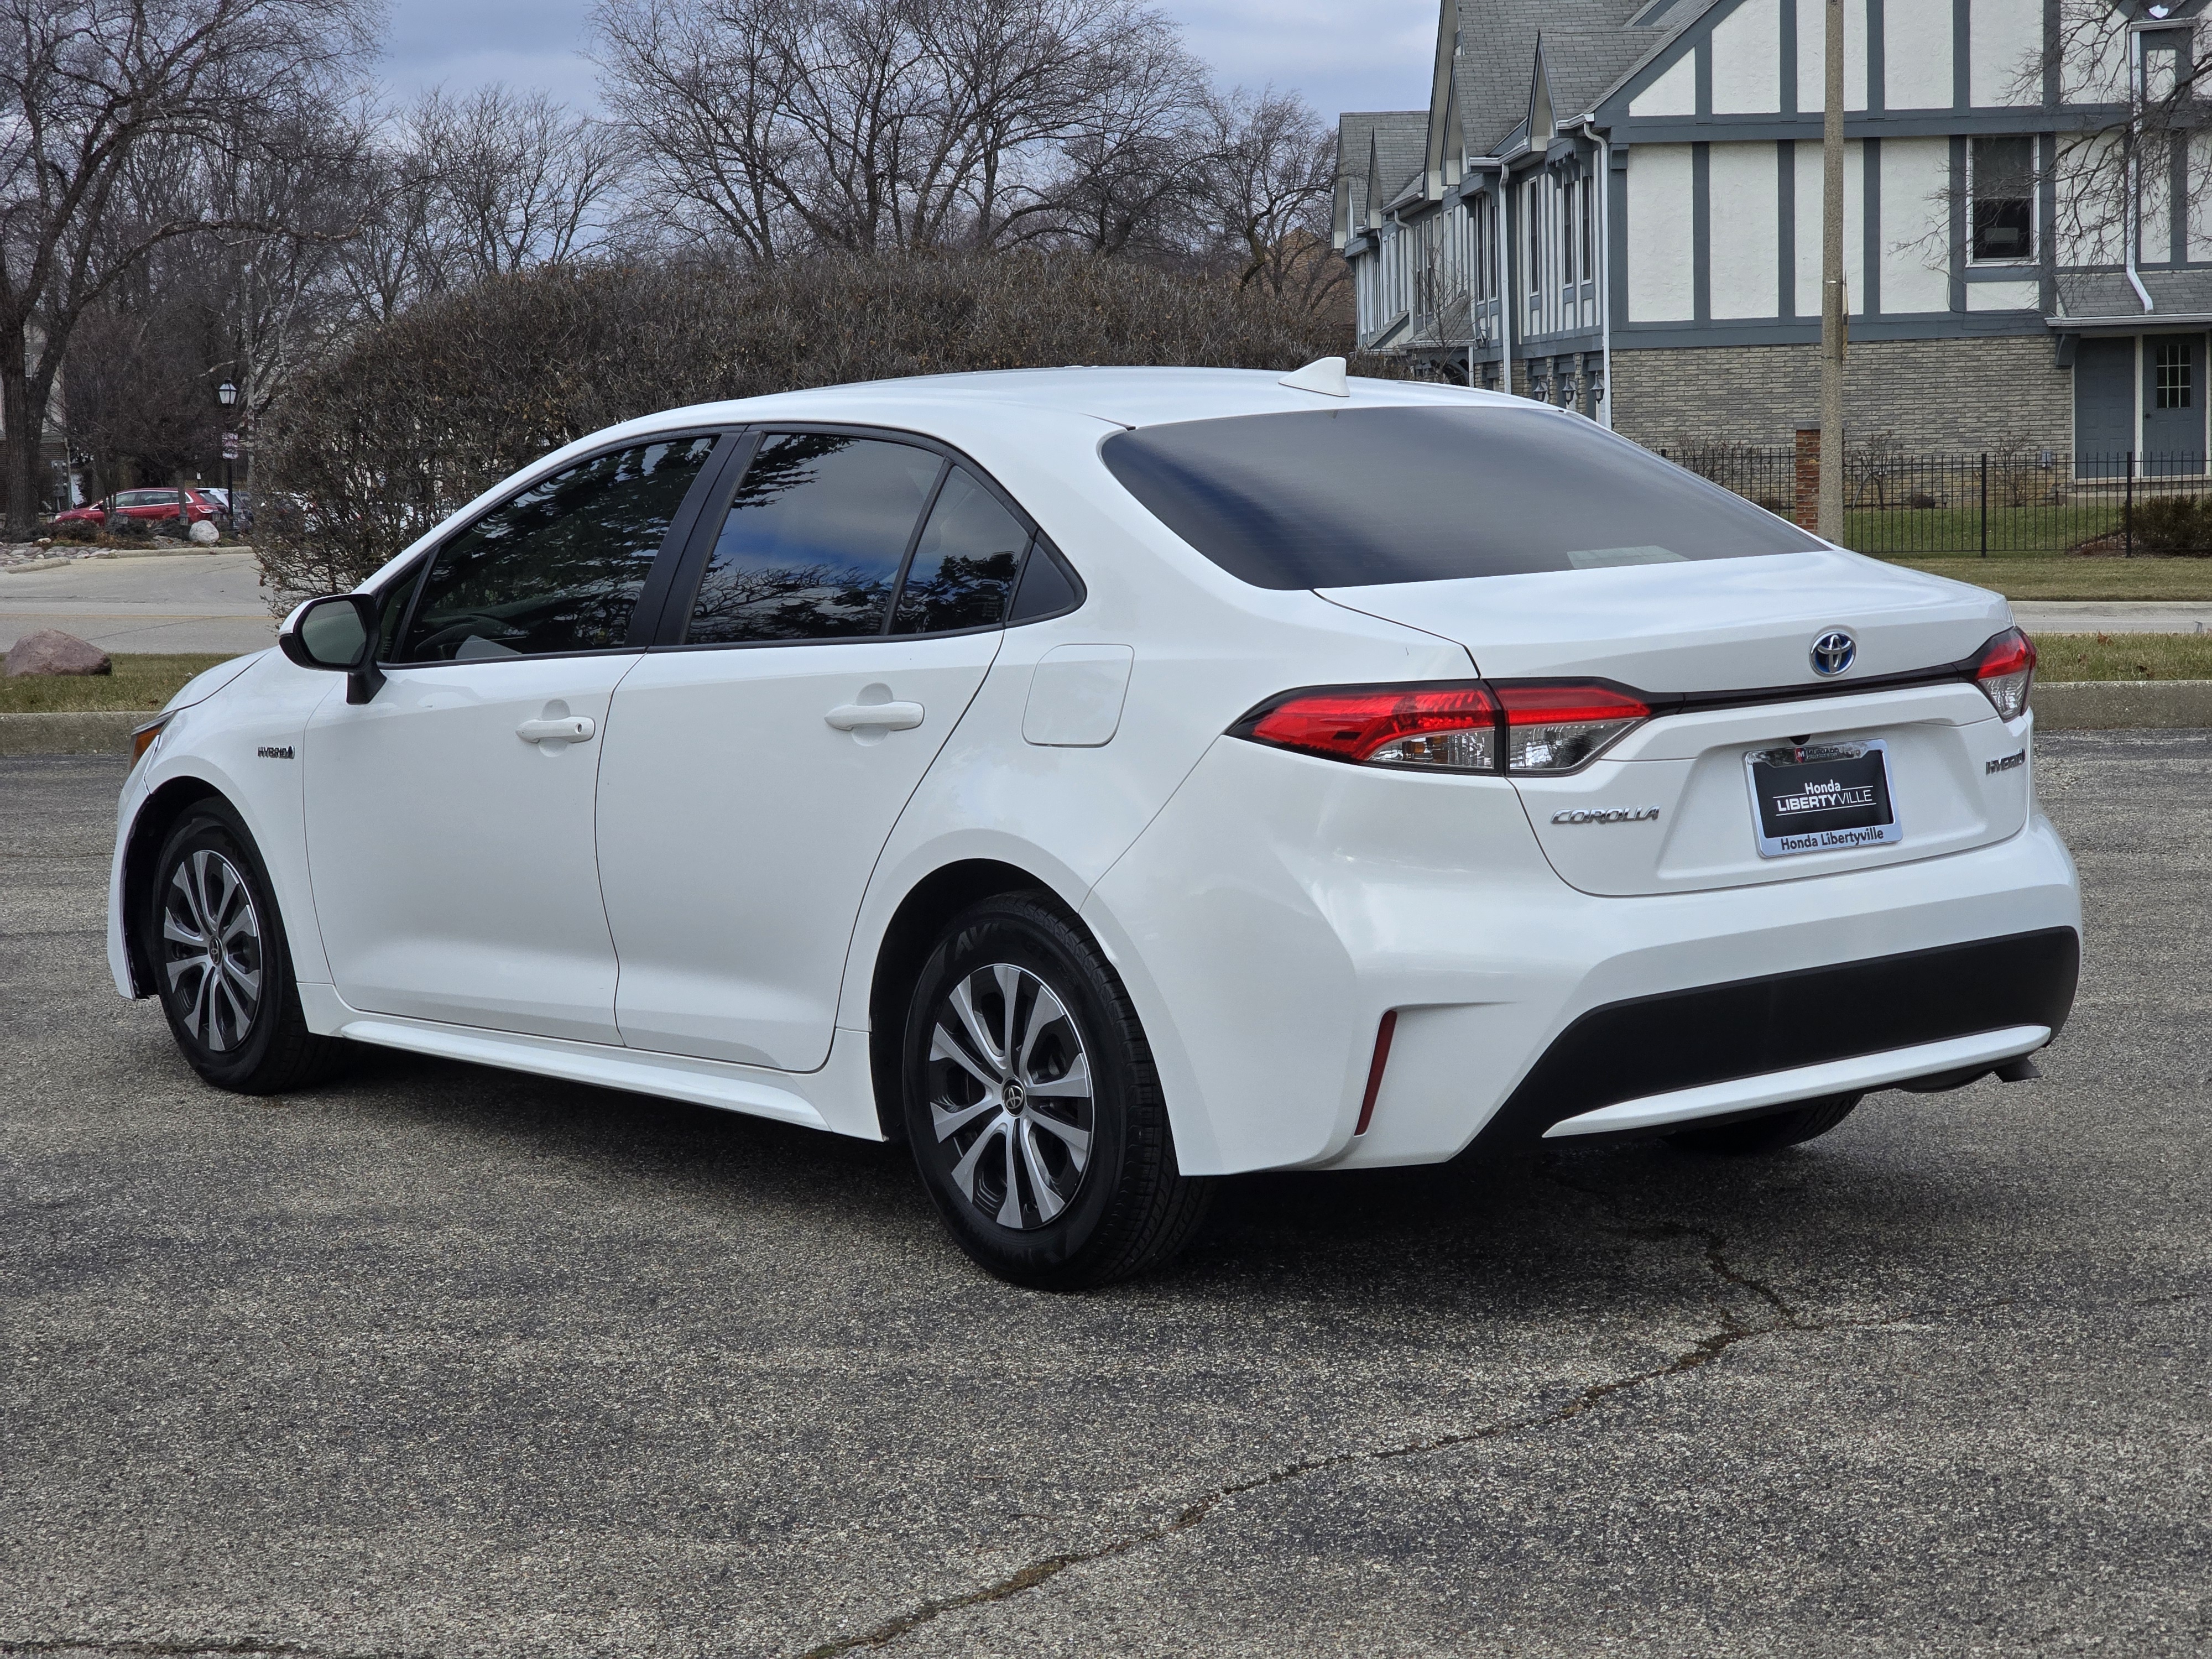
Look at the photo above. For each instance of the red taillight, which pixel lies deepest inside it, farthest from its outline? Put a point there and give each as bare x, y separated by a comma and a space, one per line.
1557, 728
2005, 670
1447, 728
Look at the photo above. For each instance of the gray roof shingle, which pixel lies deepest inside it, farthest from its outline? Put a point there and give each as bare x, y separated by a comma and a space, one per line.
1393, 140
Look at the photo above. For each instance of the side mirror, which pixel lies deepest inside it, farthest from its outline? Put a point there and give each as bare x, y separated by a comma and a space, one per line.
336, 634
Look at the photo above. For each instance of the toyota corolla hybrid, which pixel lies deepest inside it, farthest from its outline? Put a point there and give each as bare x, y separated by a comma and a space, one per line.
1108, 779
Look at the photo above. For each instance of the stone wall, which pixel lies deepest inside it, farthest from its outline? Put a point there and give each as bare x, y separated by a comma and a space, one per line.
1961, 397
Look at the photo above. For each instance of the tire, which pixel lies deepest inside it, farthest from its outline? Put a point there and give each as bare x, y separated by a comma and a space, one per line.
1769, 1134
237, 1015
1058, 1170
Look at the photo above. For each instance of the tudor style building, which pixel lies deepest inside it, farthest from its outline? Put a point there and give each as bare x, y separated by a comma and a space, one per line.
1640, 180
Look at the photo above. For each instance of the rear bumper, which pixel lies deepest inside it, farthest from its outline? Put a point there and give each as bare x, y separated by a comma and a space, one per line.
1279, 906
1687, 1053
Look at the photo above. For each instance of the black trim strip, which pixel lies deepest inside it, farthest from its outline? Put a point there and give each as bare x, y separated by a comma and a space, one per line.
1654, 1045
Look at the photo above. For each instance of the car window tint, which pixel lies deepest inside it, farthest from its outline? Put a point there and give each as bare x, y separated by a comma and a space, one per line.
558, 568
1047, 588
147, 498
811, 545
1344, 498
965, 565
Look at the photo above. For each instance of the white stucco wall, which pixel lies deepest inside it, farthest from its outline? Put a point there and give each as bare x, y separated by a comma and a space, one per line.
2002, 296
1813, 53
1915, 225
2200, 210
1809, 216
1660, 235
1915, 46
1747, 59
1745, 230
1674, 93
2006, 37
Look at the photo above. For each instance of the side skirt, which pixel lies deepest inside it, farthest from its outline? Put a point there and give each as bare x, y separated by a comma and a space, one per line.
839, 1098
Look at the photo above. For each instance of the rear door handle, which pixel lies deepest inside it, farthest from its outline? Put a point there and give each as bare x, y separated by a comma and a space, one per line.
575, 728
892, 716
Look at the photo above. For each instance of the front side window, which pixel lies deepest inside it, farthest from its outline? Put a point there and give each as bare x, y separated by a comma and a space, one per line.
559, 567
812, 543
1349, 497
2003, 199
965, 565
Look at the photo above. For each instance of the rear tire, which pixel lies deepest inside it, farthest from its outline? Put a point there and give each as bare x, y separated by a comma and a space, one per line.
1769, 1134
222, 965
1033, 1107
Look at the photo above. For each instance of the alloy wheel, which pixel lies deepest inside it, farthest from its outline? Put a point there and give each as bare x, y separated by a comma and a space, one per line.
211, 950
1010, 1095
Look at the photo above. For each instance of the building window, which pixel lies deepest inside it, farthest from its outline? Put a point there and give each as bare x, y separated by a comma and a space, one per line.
2174, 390
1589, 263
2004, 190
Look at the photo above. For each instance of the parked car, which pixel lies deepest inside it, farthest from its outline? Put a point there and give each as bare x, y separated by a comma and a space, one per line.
147, 506
1105, 780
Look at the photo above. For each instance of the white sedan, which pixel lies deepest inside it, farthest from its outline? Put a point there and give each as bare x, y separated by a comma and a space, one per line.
1108, 779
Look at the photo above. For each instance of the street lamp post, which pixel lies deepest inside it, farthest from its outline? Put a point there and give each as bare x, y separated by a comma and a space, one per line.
227, 394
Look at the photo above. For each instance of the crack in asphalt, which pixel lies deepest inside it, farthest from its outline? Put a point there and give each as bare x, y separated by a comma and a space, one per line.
1702, 1353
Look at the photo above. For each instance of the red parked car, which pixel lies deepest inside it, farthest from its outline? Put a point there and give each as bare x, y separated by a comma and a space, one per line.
147, 506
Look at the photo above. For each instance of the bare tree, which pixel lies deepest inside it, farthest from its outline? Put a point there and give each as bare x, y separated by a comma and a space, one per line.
774, 125
515, 180
89, 85
1130, 178
1269, 175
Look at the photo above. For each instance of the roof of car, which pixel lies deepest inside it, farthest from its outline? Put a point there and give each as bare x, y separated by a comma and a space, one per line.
1123, 396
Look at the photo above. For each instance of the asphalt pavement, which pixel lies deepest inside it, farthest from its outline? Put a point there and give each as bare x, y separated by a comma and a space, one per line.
442, 1361
152, 603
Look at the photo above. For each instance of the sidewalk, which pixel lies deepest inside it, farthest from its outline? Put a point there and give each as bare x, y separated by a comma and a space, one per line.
173, 602
2111, 617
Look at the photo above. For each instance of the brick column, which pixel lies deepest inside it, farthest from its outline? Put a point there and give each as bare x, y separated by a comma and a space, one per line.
1807, 493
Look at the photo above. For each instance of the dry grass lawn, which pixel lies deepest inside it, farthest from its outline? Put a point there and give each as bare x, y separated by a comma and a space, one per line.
2123, 657
138, 682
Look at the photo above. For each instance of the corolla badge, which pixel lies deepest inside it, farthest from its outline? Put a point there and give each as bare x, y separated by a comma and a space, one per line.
1834, 652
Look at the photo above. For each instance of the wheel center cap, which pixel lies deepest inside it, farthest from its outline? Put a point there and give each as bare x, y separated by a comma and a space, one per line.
1016, 1097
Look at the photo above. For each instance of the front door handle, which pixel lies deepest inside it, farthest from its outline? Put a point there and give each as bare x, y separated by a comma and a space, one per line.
891, 716
573, 728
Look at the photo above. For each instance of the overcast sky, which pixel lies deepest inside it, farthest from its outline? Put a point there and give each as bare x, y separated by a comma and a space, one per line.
1341, 54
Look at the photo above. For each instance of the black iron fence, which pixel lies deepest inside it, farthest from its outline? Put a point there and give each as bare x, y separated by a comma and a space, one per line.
2033, 502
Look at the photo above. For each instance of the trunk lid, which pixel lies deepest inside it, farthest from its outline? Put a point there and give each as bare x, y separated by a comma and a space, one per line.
1669, 808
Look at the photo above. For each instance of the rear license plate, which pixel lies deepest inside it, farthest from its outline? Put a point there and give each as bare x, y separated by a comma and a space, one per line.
1822, 798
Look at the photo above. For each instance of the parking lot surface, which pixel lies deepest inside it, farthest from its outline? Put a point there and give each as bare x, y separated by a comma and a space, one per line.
160, 602
443, 1361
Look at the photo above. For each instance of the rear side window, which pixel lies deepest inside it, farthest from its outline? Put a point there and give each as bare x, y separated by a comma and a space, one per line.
1344, 498
811, 545
965, 565
559, 567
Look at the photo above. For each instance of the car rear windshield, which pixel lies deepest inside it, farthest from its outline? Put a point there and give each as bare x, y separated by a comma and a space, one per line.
1346, 498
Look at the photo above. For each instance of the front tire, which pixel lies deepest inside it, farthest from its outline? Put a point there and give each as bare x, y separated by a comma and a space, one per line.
1034, 1109
1769, 1134
222, 965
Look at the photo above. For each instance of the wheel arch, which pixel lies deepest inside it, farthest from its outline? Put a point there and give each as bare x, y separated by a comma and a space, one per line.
915, 925
155, 818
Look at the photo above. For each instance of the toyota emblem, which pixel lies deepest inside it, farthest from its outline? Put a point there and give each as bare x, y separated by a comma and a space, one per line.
1834, 652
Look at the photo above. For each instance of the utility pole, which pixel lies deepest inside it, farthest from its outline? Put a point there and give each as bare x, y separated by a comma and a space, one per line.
1835, 302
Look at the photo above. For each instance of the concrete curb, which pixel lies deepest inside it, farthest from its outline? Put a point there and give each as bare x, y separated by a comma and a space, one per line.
2077, 706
